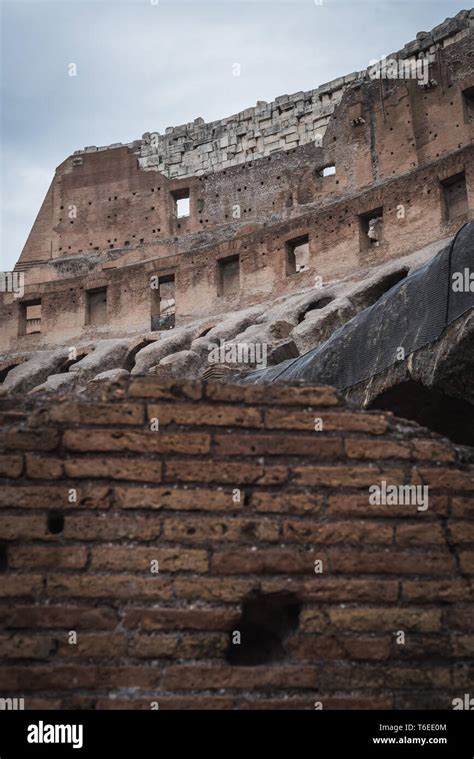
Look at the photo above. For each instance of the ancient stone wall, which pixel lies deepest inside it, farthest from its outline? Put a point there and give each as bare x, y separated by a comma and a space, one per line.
145, 528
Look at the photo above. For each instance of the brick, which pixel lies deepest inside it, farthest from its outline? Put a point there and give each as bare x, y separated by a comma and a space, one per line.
228, 590
20, 586
427, 591
311, 648
16, 527
55, 496
111, 527
220, 619
205, 529
191, 499
96, 413
444, 479
277, 561
463, 507
391, 561
139, 559
44, 467
273, 445
92, 645
467, 562
168, 703
108, 586
167, 389
358, 505
11, 466
290, 396
204, 415
321, 589
346, 476
190, 677
225, 472
370, 450
461, 532
47, 557
288, 503
18, 646
460, 618
337, 532
377, 619
125, 440
140, 469
419, 534
63, 617
432, 450
463, 646
187, 646
289, 419
29, 439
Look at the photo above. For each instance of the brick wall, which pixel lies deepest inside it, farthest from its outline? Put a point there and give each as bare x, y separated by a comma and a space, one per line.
237, 497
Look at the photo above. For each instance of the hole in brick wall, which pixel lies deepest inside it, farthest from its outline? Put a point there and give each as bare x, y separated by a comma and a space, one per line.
297, 255
313, 307
55, 522
430, 407
96, 306
371, 229
3, 557
267, 620
181, 202
228, 282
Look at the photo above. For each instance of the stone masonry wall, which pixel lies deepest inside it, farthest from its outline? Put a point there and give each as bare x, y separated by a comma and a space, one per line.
237, 496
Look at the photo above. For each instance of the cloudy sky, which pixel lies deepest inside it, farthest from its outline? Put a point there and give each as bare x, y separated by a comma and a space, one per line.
143, 65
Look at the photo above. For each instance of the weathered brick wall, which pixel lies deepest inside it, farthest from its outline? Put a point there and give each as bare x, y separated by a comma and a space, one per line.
91, 496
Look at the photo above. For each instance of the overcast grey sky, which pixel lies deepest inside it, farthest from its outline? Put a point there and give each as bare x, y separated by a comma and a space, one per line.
143, 65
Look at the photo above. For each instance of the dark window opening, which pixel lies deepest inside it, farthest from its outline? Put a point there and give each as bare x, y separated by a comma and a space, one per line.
454, 197
266, 622
30, 317
163, 302
181, 202
297, 255
228, 276
431, 408
468, 99
371, 229
96, 306
3, 557
55, 522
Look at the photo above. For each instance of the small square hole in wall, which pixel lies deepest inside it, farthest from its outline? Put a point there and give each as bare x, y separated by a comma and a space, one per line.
181, 202
454, 204
327, 171
297, 255
228, 282
371, 229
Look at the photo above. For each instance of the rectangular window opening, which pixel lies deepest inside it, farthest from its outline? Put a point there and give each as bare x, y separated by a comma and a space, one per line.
327, 171
30, 317
454, 197
297, 255
371, 229
228, 276
181, 202
163, 302
468, 98
96, 306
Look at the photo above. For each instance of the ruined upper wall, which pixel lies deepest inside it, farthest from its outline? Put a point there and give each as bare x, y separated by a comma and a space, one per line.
289, 121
